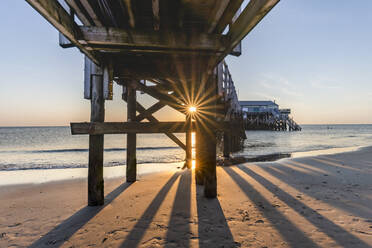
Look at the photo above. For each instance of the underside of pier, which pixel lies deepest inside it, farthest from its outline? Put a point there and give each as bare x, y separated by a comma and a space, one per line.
172, 50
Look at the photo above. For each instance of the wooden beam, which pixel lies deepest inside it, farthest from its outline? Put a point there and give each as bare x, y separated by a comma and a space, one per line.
79, 13
96, 145
96, 128
54, 13
91, 12
132, 21
155, 11
131, 137
188, 143
248, 19
228, 15
104, 38
152, 119
217, 14
166, 99
148, 112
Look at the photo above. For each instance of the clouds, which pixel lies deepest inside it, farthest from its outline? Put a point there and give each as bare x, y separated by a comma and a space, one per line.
279, 85
325, 83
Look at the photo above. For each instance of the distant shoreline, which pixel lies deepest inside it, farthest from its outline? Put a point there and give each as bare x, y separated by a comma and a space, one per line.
327, 124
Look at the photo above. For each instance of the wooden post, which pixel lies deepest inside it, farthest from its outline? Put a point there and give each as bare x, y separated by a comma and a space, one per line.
96, 142
188, 143
131, 137
206, 143
226, 144
207, 157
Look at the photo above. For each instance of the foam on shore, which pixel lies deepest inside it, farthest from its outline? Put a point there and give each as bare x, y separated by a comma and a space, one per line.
53, 175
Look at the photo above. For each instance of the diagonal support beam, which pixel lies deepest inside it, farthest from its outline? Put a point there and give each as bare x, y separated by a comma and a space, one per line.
166, 99
253, 13
56, 15
148, 112
151, 118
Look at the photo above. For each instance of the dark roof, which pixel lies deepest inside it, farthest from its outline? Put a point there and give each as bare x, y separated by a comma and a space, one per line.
257, 103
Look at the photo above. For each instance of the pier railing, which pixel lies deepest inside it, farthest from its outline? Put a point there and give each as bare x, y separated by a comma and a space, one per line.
232, 111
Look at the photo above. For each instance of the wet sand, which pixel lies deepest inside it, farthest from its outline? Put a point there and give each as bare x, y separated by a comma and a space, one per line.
322, 201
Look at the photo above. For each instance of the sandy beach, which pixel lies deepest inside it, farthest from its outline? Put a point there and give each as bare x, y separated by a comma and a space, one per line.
322, 201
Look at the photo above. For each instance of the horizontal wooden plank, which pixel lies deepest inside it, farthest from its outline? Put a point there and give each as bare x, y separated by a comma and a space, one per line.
96, 128
116, 38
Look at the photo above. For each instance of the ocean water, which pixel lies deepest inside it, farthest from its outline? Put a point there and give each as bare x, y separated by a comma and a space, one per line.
24, 148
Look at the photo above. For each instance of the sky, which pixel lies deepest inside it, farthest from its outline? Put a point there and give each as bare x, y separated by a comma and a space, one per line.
314, 57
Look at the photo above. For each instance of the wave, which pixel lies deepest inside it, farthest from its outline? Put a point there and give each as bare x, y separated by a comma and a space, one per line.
76, 150
38, 166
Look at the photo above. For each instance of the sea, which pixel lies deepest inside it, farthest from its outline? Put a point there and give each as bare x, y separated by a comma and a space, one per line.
31, 148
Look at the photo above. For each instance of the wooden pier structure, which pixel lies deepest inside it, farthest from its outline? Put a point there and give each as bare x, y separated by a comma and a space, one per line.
172, 50
266, 115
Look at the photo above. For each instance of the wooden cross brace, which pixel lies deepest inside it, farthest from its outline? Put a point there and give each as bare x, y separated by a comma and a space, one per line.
147, 114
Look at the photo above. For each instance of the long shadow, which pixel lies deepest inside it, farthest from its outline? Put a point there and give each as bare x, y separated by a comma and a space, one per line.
71, 225
334, 231
282, 173
294, 236
212, 224
134, 237
179, 223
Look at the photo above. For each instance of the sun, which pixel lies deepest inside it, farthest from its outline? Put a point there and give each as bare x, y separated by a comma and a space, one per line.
192, 109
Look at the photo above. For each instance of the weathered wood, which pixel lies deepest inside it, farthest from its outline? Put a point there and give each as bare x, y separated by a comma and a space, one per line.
64, 42
226, 144
199, 171
131, 137
207, 160
217, 13
248, 19
96, 146
54, 13
91, 12
188, 142
132, 21
128, 127
155, 12
79, 12
170, 100
208, 147
148, 112
228, 15
91, 69
152, 119
104, 37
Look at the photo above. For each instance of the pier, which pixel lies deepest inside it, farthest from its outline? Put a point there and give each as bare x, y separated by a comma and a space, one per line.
266, 115
172, 50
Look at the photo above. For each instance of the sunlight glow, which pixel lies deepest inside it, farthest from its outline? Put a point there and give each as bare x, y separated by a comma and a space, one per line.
192, 109
193, 164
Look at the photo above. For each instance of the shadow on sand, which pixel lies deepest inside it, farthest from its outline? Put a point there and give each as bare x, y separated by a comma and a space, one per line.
337, 233
71, 225
212, 224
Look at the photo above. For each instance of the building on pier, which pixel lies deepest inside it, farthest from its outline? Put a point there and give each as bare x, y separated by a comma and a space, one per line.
266, 115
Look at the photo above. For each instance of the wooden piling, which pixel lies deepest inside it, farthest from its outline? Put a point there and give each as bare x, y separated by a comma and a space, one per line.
199, 172
206, 144
226, 144
188, 142
208, 159
131, 137
96, 143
